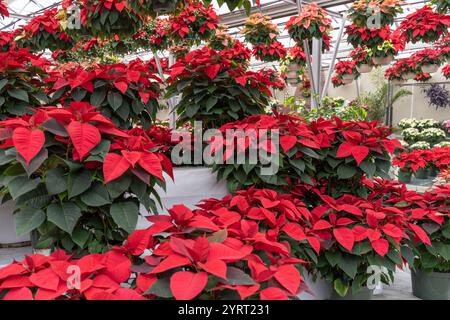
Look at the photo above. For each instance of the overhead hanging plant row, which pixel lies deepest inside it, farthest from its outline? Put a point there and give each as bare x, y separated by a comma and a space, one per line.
375, 14
126, 93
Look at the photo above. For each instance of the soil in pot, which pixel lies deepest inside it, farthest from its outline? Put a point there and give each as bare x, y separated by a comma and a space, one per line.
404, 176
364, 68
430, 286
421, 174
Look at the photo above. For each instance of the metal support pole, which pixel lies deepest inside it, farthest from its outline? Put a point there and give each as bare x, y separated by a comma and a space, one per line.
317, 63
172, 102
333, 60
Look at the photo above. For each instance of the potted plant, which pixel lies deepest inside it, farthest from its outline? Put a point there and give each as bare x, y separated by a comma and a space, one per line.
384, 53
125, 93
424, 25
430, 272
78, 179
313, 22
222, 89
293, 63
394, 76
428, 60
238, 52
346, 69
45, 32
409, 163
362, 58
3, 9
362, 12
337, 81
221, 39
274, 51
154, 35
363, 36
423, 76
357, 234
432, 135
103, 18
22, 85
195, 23
259, 29
446, 71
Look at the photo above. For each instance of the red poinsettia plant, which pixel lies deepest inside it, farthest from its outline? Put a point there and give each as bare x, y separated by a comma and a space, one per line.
3, 9
220, 250
371, 38
154, 35
423, 76
91, 177
337, 81
238, 52
412, 161
22, 85
45, 32
346, 68
335, 150
103, 18
7, 39
427, 57
361, 56
401, 68
446, 71
313, 22
274, 51
39, 277
424, 25
233, 97
125, 93
196, 22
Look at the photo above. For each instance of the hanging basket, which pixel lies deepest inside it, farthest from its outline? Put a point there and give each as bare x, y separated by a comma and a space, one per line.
430, 68
383, 61
409, 75
347, 81
364, 68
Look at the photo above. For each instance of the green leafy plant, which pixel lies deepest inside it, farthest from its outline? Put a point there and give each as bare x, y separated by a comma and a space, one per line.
76, 179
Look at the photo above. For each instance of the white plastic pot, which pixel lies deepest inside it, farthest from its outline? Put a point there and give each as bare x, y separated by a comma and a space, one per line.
398, 81
383, 61
430, 68
348, 76
191, 185
364, 68
409, 75
7, 227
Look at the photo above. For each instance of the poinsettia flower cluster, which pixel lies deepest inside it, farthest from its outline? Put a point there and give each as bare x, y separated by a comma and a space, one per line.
313, 22
274, 51
370, 38
297, 55
423, 76
7, 39
402, 67
23, 74
153, 35
40, 277
274, 77
337, 81
424, 25
238, 52
3, 9
361, 55
125, 92
305, 149
221, 243
446, 71
101, 18
194, 23
427, 56
363, 10
45, 32
346, 67
259, 30
412, 161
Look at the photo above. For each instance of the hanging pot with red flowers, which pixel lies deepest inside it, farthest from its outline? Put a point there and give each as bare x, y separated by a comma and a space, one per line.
101, 18
363, 36
346, 69
45, 32
428, 60
363, 59
274, 51
424, 25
